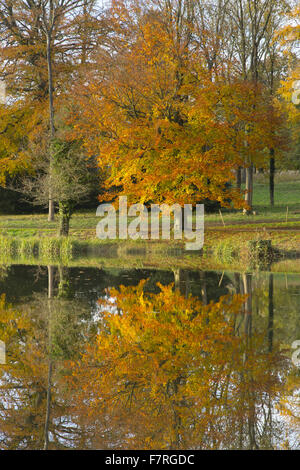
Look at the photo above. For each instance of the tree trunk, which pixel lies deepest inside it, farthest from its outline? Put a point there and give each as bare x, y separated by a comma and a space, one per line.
247, 285
64, 226
271, 312
50, 281
50, 363
249, 188
52, 126
65, 216
239, 177
237, 283
51, 212
48, 406
64, 290
272, 175
243, 175
178, 279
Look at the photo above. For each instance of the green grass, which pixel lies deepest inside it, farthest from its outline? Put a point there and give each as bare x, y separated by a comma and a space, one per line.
33, 235
125, 255
287, 194
231, 254
50, 248
83, 224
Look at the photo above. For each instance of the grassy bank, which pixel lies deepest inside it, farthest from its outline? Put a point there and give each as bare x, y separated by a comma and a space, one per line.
286, 212
227, 236
228, 255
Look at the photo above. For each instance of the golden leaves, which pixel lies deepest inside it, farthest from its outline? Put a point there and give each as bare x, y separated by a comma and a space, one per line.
165, 129
166, 358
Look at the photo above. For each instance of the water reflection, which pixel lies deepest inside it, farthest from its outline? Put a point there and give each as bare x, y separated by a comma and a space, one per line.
148, 359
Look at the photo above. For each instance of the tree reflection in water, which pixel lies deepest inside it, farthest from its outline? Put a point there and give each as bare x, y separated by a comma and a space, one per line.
159, 370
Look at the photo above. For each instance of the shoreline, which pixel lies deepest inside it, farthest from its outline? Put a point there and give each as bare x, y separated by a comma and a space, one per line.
257, 251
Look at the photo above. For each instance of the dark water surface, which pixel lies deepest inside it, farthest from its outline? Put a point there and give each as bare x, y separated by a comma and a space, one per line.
148, 359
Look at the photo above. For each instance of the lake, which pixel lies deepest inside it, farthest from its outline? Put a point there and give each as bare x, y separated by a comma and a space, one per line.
115, 358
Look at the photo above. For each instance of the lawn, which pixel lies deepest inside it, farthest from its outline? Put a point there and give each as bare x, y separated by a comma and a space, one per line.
223, 246
285, 213
287, 203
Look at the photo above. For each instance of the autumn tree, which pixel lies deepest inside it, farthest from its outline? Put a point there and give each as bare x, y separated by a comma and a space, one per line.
153, 115
40, 336
16, 122
166, 371
72, 179
171, 121
288, 35
39, 55
253, 26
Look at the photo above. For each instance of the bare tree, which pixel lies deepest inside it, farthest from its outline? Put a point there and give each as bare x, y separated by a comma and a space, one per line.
254, 23
71, 179
33, 31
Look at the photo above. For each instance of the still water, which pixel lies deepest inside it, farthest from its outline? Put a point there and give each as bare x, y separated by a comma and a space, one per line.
148, 359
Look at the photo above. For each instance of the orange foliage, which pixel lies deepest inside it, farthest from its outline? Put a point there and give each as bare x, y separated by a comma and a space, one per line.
166, 371
165, 126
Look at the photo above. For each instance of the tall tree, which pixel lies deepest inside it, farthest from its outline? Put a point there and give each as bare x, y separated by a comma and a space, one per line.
253, 25
153, 114
38, 53
168, 355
